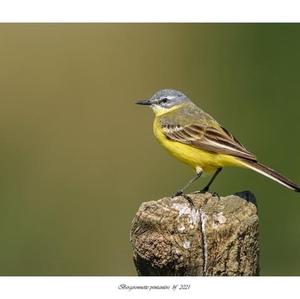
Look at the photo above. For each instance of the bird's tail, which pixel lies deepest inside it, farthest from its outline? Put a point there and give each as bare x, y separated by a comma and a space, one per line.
270, 173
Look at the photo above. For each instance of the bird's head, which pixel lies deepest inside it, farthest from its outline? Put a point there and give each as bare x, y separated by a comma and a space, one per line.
165, 100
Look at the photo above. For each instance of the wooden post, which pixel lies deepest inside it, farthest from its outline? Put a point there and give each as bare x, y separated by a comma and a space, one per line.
216, 236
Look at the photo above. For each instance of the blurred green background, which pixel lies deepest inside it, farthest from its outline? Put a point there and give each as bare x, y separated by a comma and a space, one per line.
78, 157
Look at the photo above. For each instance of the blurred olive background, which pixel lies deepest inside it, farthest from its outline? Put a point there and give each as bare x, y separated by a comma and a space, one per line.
78, 157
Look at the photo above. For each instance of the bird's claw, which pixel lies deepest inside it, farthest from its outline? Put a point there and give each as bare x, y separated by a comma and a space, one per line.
189, 200
180, 193
215, 194
204, 190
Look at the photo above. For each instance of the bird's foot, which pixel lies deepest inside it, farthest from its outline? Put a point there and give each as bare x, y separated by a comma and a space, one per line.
180, 193
206, 189
216, 194
190, 201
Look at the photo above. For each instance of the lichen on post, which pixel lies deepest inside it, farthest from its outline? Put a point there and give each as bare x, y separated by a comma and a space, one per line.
214, 236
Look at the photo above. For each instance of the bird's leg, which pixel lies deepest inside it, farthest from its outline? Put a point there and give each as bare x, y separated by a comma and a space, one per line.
206, 188
180, 191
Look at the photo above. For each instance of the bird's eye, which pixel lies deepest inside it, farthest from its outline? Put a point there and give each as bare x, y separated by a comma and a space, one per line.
164, 100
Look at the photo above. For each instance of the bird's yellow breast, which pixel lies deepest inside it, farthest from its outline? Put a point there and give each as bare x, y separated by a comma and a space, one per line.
195, 157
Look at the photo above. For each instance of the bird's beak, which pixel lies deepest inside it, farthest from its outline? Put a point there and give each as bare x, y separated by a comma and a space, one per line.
146, 102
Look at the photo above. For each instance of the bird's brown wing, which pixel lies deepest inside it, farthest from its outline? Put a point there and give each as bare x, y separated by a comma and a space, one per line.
208, 138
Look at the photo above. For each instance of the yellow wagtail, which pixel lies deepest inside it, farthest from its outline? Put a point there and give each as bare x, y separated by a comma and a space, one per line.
195, 138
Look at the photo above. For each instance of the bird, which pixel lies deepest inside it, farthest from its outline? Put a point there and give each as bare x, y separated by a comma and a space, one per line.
197, 139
